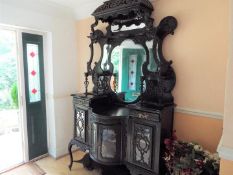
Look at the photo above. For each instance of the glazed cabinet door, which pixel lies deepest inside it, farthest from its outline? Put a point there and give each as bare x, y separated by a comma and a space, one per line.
110, 143
106, 143
144, 144
80, 128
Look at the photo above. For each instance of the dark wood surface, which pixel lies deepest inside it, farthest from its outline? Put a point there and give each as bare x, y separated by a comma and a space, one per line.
124, 118
117, 133
112, 111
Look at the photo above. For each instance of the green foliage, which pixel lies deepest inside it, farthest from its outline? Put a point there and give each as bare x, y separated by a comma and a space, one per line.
14, 95
8, 69
8, 73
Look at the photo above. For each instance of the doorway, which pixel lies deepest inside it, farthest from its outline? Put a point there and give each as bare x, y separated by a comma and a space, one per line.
11, 142
33, 61
23, 127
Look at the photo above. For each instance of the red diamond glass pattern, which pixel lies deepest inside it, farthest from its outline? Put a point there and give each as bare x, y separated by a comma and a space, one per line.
34, 91
32, 54
33, 73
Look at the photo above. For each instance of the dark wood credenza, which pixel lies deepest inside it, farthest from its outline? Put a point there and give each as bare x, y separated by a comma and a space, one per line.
129, 113
121, 134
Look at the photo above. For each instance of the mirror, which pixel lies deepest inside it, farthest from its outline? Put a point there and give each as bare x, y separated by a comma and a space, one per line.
127, 60
117, 28
104, 63
152, 66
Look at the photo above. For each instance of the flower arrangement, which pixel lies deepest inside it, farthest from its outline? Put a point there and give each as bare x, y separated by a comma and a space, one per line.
185, 158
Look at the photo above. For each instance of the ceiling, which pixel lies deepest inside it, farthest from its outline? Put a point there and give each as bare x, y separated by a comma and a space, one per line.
71, 3
81, 8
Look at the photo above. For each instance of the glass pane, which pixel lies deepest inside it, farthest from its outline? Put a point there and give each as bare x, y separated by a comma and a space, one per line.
94, 138
33, 73
108, 143
132, 72
80, 124
143, 137
104, 63
11, 148
152, 66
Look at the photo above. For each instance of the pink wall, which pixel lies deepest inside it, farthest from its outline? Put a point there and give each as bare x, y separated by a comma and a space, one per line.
199, 52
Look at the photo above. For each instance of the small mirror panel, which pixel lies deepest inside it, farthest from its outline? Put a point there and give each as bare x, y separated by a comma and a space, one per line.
117, 28
105, 63
152, 66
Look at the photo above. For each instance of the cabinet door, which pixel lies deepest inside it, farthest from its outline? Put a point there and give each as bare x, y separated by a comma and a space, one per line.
80, 124
144, 144
110, 143
106, 143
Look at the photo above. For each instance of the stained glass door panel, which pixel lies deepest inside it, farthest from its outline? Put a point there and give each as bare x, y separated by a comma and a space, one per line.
132, 72
33, 72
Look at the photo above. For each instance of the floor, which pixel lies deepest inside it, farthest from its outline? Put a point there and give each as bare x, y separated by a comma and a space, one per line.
27, 169
55, 167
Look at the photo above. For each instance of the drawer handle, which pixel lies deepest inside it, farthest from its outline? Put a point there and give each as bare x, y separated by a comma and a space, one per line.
143, 116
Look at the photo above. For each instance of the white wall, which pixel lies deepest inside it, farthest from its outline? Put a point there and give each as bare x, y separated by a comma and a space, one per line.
60, 61
226, 145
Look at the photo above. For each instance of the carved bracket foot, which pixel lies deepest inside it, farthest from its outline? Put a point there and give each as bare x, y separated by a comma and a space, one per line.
81, 147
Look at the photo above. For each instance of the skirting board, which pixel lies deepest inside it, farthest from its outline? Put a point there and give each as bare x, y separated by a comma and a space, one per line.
199, 113
225, 153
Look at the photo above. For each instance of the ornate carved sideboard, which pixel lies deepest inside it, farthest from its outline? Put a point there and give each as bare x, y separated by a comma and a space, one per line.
126, 117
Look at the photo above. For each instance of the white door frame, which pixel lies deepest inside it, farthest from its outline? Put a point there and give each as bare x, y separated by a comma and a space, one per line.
21, 82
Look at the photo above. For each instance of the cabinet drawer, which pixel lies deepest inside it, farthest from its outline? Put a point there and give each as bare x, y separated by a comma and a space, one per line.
145, 115
81, 102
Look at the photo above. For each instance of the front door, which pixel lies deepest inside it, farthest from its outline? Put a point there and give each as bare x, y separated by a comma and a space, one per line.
35, 94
